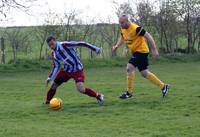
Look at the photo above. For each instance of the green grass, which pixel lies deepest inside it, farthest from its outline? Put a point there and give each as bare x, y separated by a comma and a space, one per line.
147, 114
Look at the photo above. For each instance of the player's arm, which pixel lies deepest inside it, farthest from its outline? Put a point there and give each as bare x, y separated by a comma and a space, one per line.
74, 44
118, 44
54, 70
152, 44
141, 32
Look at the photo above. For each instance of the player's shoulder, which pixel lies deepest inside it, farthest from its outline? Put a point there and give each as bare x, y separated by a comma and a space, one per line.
134, 25
63, 42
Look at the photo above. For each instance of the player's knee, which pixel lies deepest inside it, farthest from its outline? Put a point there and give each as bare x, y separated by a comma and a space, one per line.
144, 74
81, 89
128, 70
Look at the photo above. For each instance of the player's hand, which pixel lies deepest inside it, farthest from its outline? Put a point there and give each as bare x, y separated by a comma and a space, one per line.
114, 48
155, 54
47, 82
99, 51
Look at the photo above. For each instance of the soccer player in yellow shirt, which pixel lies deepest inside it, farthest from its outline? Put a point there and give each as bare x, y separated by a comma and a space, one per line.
136, 39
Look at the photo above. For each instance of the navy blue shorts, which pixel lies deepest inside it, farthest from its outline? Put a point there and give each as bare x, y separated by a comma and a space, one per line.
139, 60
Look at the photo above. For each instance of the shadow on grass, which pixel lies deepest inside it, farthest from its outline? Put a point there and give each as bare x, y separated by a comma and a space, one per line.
111, 105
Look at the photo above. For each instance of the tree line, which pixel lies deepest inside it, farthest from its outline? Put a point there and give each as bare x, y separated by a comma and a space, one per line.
174, 24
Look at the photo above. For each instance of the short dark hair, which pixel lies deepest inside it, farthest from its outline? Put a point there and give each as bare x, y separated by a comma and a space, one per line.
50, 38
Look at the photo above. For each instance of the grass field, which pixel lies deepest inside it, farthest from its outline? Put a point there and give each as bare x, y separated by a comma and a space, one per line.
147, 114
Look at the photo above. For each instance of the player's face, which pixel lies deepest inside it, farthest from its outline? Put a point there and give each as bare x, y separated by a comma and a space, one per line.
124, 24
52, 44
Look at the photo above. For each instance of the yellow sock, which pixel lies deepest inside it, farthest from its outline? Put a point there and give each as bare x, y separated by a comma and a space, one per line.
130, 80
151, 77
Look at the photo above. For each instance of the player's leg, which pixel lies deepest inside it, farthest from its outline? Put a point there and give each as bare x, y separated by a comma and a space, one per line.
152, 78
130, 78
60, 78
143, 68
79, 79
51, 92
156, 81
90, 92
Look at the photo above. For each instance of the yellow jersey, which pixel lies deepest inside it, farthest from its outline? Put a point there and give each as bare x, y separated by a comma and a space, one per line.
135, 42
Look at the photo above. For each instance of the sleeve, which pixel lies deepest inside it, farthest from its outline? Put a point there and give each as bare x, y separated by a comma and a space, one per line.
73, 44
55, 68
140, 31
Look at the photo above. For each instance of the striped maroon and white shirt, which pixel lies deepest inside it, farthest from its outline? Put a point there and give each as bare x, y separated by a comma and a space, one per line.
65, 53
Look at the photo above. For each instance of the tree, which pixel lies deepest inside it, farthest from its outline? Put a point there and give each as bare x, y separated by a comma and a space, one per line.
146, 16
2, 42
189, 12
18, 40
68, 20
75, 29
51, 26
41, 33
6, 5
125, 8
168, 27
145, 13
110, 34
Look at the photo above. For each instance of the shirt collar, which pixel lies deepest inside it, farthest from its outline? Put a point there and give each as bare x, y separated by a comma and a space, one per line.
57, 44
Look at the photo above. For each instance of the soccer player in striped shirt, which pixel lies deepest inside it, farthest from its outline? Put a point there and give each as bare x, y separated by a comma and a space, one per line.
73, 68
